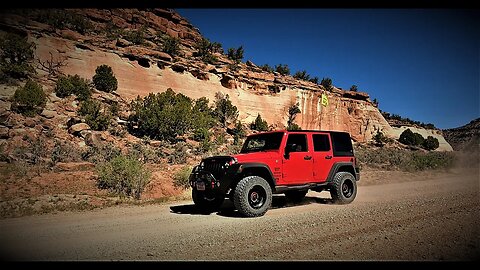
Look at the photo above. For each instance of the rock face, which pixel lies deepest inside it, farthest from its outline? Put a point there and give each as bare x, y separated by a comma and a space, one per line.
141, 70
443, 144
465, 138
78, 128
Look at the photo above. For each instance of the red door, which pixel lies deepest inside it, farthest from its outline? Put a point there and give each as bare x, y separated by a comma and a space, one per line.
322, 156
298, 164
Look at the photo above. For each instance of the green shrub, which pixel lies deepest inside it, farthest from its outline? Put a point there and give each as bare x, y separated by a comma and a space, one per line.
410, 138
302, 75
235, 54
94, 117
239, 132
293, 126
125, 176
314, 80
293, 110
201, 134
259, 124
104, 79
225, 111
145, 153
179, 155
65, 152
75, 85
381, 139
267, 68
29, 99
282, 69
61, 18
216, 47
430, 143
171, 46
205, 50
354, 88
431, 160
103, 153
327, 84
202, 116
16, 56
114, 108
162, 116
180, 178
136, 36
401, 159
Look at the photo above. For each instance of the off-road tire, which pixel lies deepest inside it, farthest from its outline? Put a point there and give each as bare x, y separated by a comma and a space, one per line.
253, 196
205, 202
344, 188
296, 195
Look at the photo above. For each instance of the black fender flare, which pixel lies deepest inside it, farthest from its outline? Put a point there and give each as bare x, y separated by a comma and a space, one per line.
267, 173
342, 167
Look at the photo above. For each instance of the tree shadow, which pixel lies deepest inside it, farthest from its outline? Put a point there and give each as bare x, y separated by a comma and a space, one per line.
228, 210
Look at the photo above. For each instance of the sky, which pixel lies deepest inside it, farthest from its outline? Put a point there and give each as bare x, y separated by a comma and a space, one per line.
423, 64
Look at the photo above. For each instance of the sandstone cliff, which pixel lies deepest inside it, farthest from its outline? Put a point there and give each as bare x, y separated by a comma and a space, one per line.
141, 69
465, 138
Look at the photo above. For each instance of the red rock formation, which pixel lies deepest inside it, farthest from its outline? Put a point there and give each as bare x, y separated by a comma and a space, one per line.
141, 70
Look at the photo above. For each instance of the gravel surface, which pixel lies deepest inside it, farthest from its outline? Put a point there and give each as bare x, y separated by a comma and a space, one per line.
436, 219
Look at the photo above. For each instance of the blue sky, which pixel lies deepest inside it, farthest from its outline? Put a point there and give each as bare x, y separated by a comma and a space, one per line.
423, 64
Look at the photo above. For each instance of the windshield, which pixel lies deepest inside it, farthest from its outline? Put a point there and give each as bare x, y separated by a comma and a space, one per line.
262, 142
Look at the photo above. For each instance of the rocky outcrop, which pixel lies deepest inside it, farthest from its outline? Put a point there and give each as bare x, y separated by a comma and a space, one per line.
465, 138
443, 144
143, 69
77, 128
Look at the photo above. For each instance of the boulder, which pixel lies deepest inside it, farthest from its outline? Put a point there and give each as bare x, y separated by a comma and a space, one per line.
48, 114
72, 121
164, 56
76, 128
53, 97
93, 139
123, 43
84, 133
30, 122
155, 143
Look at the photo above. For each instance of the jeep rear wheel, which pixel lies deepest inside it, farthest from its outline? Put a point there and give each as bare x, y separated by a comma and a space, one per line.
344, 188
253, 196
206, 201
296, 195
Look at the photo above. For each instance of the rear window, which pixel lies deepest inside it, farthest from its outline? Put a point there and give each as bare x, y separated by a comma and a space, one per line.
342, 144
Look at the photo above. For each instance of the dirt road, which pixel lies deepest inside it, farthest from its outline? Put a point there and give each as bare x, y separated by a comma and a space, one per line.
434, 219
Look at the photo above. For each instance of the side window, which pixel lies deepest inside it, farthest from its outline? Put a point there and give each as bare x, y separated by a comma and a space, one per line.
297, 142
321, 143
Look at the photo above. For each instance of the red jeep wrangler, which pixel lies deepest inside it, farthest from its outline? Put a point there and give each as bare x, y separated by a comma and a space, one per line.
290, 162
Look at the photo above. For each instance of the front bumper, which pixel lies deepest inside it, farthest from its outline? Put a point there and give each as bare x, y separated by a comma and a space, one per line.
203, 181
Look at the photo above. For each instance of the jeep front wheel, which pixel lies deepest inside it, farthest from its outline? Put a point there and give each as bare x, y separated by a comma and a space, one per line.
206, 201
344, 188
253, 196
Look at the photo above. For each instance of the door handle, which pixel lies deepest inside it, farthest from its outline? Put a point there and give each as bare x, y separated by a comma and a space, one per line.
328, 157
307, 157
